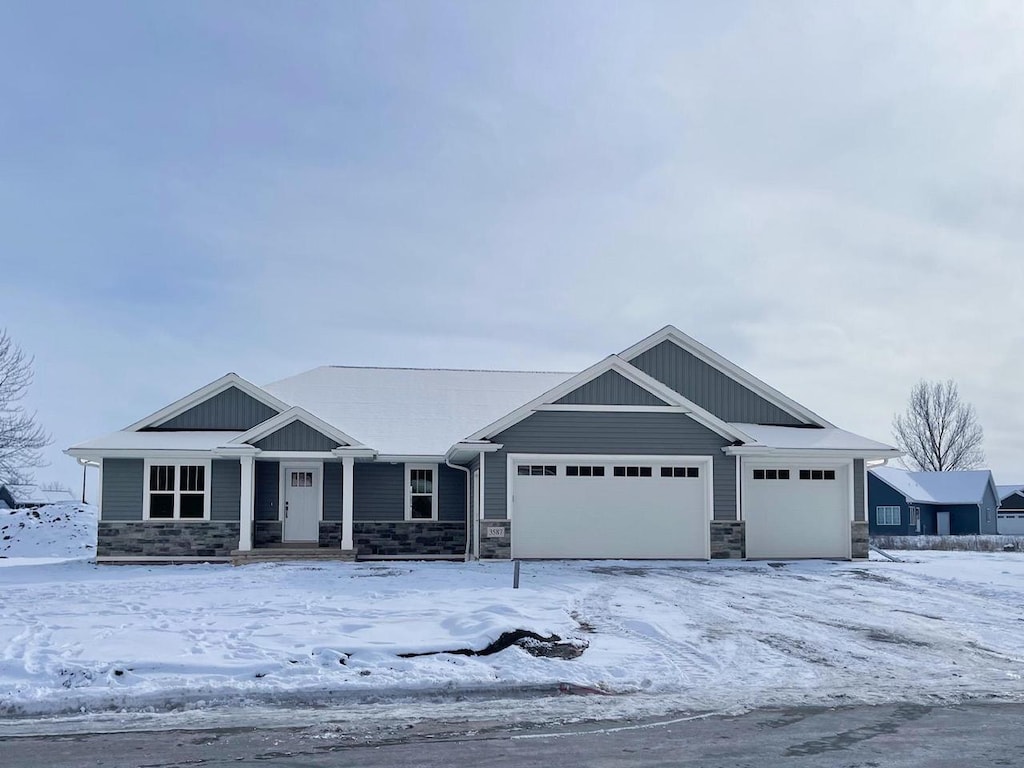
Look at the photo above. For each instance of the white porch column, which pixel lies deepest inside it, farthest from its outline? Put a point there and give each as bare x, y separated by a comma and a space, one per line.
246, 505
346, 501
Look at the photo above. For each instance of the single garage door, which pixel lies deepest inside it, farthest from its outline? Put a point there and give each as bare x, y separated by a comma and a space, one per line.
590, 507
797, 511
1011, 523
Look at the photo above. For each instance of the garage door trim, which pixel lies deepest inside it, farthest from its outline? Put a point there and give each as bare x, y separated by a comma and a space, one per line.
705, 462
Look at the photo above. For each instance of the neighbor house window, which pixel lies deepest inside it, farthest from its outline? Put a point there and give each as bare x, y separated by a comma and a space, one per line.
887, 515
176, 491
420, 491
771, 474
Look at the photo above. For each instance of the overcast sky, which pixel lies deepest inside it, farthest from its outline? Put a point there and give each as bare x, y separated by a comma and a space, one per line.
828, 193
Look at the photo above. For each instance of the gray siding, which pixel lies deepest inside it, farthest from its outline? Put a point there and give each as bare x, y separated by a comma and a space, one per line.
708, 387
378, 491
858, 490
333, 485
451, 499
230, 409
122, 489
987, 520
225, 489
610, 388
267, 491
610, 433
296, 436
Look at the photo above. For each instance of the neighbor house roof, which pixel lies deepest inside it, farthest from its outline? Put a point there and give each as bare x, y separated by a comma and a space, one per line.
1006, 491
411, 411
33, 494
961, 487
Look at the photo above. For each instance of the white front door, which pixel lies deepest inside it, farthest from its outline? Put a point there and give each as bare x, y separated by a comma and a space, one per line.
942, 523
301, 504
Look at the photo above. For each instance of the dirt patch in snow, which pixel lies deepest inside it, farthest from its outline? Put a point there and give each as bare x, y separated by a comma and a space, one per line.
553, 647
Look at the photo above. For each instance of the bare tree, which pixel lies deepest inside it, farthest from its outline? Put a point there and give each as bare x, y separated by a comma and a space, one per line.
21, 438
939, 431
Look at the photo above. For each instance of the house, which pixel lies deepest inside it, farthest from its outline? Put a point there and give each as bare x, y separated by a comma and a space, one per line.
903, 503
20, 496
665, 450
1010, 516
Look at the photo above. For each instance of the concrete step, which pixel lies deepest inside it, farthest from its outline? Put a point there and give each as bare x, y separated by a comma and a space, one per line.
285, 554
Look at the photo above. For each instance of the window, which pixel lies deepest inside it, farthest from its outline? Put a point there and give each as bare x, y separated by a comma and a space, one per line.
771, 474
420, 491
301, 479
915, 518
537, 470
887, 515
817, 474
633, 472
680, 471
584, 471
176, 491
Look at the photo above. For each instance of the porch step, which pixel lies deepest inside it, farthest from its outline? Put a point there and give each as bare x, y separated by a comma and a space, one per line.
285, 553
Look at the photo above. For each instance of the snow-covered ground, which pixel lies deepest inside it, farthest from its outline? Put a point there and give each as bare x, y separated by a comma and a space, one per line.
725, 636
59, 531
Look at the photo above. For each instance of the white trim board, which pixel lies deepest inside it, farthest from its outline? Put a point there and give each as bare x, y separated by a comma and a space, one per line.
202, 394
730, 369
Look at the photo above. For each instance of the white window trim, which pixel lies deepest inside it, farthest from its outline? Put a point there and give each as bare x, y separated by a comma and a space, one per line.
888, 508
177, 464
408, 493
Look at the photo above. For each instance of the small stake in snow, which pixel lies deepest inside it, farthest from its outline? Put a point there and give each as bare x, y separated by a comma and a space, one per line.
515, 576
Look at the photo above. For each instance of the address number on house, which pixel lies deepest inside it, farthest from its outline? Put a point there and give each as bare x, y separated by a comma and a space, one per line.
495, 531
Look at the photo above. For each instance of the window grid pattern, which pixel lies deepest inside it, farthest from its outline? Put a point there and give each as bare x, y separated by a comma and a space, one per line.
680, 471
817, 474
537, 470
421, 494
633, 471
584, 471
771, 474
177, 492
887, 515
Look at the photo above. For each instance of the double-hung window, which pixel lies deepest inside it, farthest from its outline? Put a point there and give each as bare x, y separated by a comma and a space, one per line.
421, 492
176, 490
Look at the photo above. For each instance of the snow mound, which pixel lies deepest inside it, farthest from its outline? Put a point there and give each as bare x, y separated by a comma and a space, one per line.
66, 531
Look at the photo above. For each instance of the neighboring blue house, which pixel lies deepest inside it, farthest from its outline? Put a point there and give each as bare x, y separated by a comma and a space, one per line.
902, 503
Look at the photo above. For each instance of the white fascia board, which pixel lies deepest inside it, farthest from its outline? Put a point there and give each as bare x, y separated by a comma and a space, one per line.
298, 455
807, 453
406, 458
205, 393
627, 371
471, 449
96, 454
295, 413
236, 450
356, 452
730, 369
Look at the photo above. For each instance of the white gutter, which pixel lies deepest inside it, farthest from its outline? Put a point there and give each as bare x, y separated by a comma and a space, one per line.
469, 503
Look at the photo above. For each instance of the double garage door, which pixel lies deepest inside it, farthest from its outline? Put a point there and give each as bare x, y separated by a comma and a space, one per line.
596, 507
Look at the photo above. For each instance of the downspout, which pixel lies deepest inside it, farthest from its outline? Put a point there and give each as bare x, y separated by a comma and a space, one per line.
469, 502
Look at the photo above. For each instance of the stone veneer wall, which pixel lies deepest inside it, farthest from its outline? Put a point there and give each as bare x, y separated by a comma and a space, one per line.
495, 547
149, 538
728, 540
330, 533
859, 539
266, 532
408, 538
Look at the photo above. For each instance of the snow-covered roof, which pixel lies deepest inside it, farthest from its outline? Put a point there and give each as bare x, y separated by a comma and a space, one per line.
1008, 490
33, 494
962, 487
411, 411
805, 438
164, 440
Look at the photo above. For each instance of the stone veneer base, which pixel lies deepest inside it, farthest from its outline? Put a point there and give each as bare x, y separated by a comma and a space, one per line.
728, 540
859, 539
150, 538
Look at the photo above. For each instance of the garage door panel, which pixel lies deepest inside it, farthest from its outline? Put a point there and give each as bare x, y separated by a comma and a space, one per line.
609, 517
796, 518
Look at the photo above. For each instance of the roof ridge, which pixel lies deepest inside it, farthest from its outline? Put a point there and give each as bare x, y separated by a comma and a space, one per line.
455, 370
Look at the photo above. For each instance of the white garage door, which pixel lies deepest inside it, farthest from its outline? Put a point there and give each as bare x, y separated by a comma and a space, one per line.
593, 507
1011, 524
796, 511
